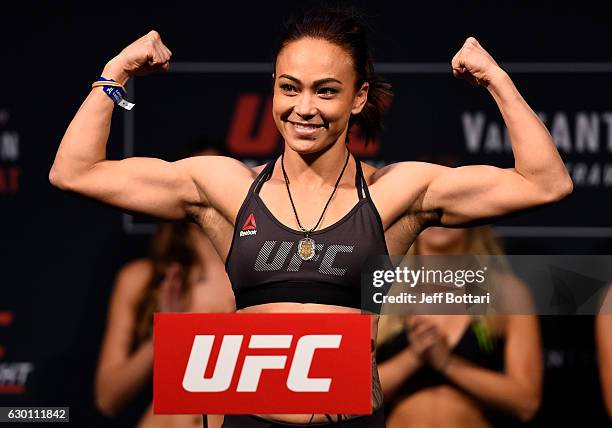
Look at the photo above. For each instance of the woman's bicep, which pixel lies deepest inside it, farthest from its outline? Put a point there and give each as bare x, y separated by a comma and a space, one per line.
144, 185
459, 197
480, 193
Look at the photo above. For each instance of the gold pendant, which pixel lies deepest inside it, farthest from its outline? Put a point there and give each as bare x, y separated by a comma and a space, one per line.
306, 248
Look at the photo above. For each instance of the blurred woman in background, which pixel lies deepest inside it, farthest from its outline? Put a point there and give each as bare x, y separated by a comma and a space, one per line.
459, 370
603, 338
182, 273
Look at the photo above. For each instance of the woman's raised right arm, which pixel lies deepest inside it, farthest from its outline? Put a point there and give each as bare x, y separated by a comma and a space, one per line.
151, 186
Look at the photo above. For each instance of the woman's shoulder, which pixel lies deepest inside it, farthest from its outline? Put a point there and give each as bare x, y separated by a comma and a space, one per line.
215, 168
403, 170
258, 168
132, 279
135, 269
606, 303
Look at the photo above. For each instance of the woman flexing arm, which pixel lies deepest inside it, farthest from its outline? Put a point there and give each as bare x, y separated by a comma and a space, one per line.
479, 194
169, 190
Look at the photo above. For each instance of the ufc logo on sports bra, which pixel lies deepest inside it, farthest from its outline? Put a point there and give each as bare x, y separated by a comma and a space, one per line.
262, 363
265, 262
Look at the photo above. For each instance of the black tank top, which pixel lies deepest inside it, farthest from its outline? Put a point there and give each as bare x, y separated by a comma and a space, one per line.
263, 264
488, 354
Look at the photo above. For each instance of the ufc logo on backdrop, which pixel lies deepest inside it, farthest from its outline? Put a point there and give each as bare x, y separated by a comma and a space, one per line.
262, 363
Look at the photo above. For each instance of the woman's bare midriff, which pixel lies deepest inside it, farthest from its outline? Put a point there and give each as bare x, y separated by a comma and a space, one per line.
435, 407
150, 420
311, 308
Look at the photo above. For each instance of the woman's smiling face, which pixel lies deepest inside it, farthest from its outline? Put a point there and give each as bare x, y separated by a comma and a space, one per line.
314, 94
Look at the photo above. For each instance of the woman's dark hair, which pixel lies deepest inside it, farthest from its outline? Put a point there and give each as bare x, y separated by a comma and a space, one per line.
343, 27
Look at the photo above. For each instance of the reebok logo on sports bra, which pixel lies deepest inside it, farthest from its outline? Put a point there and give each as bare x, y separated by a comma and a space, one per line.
250, 227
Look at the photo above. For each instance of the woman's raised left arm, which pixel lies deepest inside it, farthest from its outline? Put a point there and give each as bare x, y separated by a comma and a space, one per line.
478, 193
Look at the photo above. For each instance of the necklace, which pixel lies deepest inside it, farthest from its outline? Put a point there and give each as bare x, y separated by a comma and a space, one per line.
306, 245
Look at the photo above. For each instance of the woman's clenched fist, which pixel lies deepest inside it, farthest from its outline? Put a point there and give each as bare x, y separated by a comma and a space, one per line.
474, 64
144, 56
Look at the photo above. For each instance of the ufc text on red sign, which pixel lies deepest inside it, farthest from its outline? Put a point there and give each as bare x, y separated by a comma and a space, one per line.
262, 363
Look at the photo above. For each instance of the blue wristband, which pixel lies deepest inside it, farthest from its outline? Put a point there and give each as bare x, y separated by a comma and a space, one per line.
116, 94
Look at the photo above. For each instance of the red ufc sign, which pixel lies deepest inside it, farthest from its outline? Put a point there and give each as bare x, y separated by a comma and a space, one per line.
262, 363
